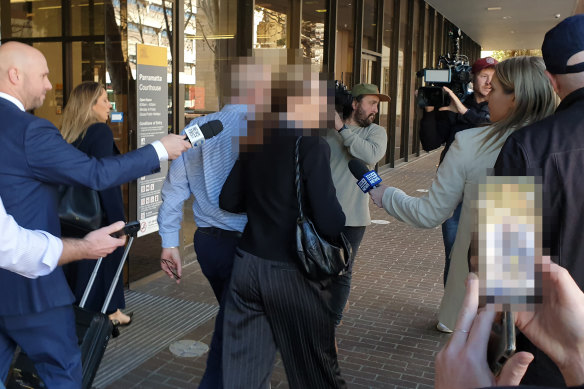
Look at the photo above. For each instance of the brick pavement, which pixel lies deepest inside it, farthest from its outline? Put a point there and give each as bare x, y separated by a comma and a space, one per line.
387, 338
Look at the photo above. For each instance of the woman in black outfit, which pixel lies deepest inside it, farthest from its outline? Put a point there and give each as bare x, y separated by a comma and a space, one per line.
84, 126
271, 305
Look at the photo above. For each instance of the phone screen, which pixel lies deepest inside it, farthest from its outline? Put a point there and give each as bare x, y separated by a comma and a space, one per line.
510, 241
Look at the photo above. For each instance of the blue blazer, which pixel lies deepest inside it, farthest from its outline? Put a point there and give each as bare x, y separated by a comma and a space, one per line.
34, 160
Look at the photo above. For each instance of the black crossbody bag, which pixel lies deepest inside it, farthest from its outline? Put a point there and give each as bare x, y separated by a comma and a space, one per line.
317, 258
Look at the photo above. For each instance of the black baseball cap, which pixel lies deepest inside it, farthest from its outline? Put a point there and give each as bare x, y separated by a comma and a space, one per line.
561, 43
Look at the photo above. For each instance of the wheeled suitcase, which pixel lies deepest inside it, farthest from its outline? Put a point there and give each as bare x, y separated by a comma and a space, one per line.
94, 330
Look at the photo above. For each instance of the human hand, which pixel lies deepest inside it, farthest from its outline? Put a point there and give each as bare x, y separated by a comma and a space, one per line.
175, 145
462, 363
456, 105
377, 195
171, 264
555, 325
100, 243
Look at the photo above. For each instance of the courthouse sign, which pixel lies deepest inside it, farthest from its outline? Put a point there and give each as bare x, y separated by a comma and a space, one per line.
152, 100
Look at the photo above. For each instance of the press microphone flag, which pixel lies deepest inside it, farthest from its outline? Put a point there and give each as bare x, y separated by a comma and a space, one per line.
197, 135
366, 179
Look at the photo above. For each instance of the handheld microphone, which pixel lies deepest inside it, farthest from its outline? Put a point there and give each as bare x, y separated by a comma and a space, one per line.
367, 180
197, 135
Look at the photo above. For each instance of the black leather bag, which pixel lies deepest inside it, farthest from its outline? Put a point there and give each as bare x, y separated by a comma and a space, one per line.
80, 209
318, 259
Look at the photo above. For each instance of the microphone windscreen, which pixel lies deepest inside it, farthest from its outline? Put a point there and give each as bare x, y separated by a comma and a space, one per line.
358, 168
211, 128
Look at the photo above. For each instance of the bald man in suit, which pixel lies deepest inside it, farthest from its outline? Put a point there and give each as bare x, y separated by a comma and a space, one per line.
37, 314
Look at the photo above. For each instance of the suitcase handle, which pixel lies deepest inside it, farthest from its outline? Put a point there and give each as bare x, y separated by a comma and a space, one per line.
110, 293
131, 229
90, 283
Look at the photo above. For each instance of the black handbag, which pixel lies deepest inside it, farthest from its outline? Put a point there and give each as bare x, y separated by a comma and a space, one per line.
80, 209
318, 259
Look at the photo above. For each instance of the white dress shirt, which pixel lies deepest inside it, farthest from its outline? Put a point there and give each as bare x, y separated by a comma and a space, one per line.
28, 253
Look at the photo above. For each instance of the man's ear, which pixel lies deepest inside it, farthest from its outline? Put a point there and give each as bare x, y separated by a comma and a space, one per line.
355, 104
554, 81
13, 75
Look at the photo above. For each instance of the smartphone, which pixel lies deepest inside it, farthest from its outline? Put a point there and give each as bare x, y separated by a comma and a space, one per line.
509, 251
510, 242
501, 344
130, 229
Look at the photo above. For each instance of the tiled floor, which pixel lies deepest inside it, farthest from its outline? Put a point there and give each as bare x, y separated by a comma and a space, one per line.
387, 338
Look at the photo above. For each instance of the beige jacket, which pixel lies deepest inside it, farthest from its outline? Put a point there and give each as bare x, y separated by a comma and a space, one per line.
368, 144
456, 180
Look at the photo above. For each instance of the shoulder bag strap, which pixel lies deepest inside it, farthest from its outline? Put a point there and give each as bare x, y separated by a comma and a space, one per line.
298, 190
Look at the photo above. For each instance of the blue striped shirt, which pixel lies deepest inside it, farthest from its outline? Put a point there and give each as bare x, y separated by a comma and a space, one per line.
202, 171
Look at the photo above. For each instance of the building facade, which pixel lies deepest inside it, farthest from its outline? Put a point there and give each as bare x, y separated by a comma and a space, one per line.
384, 42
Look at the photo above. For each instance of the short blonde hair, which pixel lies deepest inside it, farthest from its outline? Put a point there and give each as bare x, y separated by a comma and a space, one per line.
78, 114
535, 98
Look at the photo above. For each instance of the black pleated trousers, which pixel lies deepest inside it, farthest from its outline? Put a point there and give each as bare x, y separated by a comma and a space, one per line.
272, 306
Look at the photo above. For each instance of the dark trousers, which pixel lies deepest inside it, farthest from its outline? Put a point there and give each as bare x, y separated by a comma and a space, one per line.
50, 341
215, 250
449, 229
272, 306
342, 284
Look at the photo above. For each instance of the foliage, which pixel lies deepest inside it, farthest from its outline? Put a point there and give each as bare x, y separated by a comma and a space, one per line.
501, 55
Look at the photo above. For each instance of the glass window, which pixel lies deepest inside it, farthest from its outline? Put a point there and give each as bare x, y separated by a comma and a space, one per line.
414, 68
270, 24
345, 42
403, 28
193, 101
87, 17
427, 54
312, 32
52, 108
385, 86
370, 25
31, 19
150, 23
202, 41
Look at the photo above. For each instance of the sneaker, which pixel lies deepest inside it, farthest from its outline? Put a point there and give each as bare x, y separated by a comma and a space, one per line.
442, 328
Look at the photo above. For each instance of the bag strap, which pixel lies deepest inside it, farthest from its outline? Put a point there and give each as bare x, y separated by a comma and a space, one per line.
298, 189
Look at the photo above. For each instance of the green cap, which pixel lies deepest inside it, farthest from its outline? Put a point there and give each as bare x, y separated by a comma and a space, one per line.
368, 89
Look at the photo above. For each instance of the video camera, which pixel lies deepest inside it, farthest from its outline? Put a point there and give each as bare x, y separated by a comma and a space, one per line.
343, 100
453, 71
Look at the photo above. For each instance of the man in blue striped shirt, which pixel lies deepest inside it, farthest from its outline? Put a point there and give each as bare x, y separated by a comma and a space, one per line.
202, 171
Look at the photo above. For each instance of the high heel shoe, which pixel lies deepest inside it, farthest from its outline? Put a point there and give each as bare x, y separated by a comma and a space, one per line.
116, 321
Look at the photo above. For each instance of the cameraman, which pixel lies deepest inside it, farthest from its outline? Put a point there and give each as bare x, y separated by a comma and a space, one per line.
354, 136
439, 126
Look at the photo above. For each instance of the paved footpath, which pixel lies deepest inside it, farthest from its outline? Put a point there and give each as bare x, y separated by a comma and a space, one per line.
387, 338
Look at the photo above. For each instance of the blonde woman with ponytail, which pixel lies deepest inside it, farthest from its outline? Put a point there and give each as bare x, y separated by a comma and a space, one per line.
521, 94
84, 126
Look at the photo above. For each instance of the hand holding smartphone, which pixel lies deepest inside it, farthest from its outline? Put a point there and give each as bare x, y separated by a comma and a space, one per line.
501, 344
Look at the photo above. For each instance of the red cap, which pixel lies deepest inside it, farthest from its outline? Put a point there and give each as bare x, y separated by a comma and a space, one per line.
480, 64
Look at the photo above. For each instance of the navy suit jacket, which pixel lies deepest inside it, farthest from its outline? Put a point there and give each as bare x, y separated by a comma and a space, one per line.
34, 160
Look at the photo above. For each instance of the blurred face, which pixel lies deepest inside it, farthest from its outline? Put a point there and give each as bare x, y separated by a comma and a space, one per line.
365, 111
309, 110
250, 85
36, 82
102, 108
501, 104
482, 82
